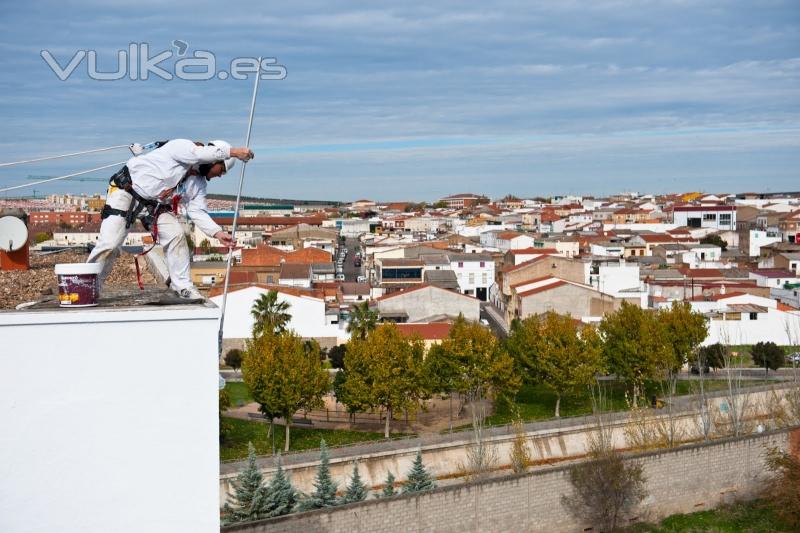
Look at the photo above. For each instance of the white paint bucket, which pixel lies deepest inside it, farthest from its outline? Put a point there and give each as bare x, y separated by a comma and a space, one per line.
77, 284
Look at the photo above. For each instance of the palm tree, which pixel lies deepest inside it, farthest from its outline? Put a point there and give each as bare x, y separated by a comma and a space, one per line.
269, 315
362, 320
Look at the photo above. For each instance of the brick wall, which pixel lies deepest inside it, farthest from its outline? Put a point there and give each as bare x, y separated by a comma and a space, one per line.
688, 479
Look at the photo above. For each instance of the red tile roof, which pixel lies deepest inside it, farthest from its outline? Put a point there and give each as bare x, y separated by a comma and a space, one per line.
426, 331
293, 291
528, 251
543, 288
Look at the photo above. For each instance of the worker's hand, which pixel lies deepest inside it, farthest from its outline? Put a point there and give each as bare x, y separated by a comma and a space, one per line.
225, 238
243, 154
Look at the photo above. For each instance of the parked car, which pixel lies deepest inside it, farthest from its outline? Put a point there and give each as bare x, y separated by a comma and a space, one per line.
694, 369
794, 358
339, 277
362, 279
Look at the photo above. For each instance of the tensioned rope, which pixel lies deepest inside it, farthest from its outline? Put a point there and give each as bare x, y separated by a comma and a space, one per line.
49, 157
4, 189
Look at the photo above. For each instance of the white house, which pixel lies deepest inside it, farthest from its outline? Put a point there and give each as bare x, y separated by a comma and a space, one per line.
720, 217
474, 272
307, 309
774, 278
747, 319
759, 238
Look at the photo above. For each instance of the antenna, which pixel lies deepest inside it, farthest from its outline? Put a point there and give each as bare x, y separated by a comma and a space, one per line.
13, 234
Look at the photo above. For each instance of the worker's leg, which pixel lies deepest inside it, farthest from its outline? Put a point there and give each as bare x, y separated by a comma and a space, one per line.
112, 234
176, 250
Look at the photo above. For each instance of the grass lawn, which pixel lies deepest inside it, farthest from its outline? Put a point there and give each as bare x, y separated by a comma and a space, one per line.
751, 517
242, 431
238, 393
537, 402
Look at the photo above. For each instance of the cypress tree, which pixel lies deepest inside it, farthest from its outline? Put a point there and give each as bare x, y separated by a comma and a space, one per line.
388, 487
249, 493
418, 478
356, 490
281, 495
324, 494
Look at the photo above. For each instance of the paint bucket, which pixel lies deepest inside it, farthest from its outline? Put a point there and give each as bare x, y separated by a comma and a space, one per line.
77, 284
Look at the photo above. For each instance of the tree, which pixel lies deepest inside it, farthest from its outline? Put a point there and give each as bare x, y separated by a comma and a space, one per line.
324, 494
716, 240
41, 237
783, 488
205, 247
336, 355
768, 355
474, 362
388, 486
418, 477
520, 455
683, 330
384, 370
363, 320
282, 497
605, 490
711, 356
634, 345
249, 500
269, 314
224, 404
356, 490
234, 359
283, 377
553, 350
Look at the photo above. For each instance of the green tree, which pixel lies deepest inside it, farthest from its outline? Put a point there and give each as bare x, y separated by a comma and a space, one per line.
553, 350
711, 356
384, 370
224, 404
418, 477
336, 355
269, 314
324, 494
768, 355
249, 500
634, 345
683, 330
233, 359
282, 497
388, 486
474, 363
283, 377
363, 320
356, 490
205, 247
716, 240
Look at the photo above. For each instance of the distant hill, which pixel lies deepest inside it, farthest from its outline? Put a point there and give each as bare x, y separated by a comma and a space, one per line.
232, 198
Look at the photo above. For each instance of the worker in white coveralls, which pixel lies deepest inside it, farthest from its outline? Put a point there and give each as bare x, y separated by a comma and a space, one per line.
150, 187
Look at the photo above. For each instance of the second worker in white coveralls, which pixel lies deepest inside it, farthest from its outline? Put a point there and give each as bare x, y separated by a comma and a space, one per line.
154, 184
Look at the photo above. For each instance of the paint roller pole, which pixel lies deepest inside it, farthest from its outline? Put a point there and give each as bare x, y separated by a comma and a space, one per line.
236, 211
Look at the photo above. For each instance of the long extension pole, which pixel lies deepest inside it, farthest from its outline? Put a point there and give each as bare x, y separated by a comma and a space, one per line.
236, 210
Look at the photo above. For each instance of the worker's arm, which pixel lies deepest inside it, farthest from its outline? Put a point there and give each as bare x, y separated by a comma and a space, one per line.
197, 209
186, 151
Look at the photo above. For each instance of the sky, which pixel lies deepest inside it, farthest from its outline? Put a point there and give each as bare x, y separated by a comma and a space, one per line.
416, 100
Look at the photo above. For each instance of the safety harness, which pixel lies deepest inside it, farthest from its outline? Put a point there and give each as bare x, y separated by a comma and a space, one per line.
154, 209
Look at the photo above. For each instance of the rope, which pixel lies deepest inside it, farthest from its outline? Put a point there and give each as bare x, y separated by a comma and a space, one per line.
62, 177
48, 158
236, 212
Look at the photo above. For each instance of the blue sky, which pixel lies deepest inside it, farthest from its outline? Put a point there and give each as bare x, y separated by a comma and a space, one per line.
415, 100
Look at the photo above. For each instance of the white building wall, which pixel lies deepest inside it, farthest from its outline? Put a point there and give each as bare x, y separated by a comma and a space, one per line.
308, 315
109, 420
759, 238
770, 326
472, 275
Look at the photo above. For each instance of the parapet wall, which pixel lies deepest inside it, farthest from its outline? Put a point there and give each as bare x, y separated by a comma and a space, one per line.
682, 480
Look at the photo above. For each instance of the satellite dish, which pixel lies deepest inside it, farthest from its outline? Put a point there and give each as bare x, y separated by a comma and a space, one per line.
13, 234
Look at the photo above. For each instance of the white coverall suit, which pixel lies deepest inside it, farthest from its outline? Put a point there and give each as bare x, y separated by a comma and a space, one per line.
153, 175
